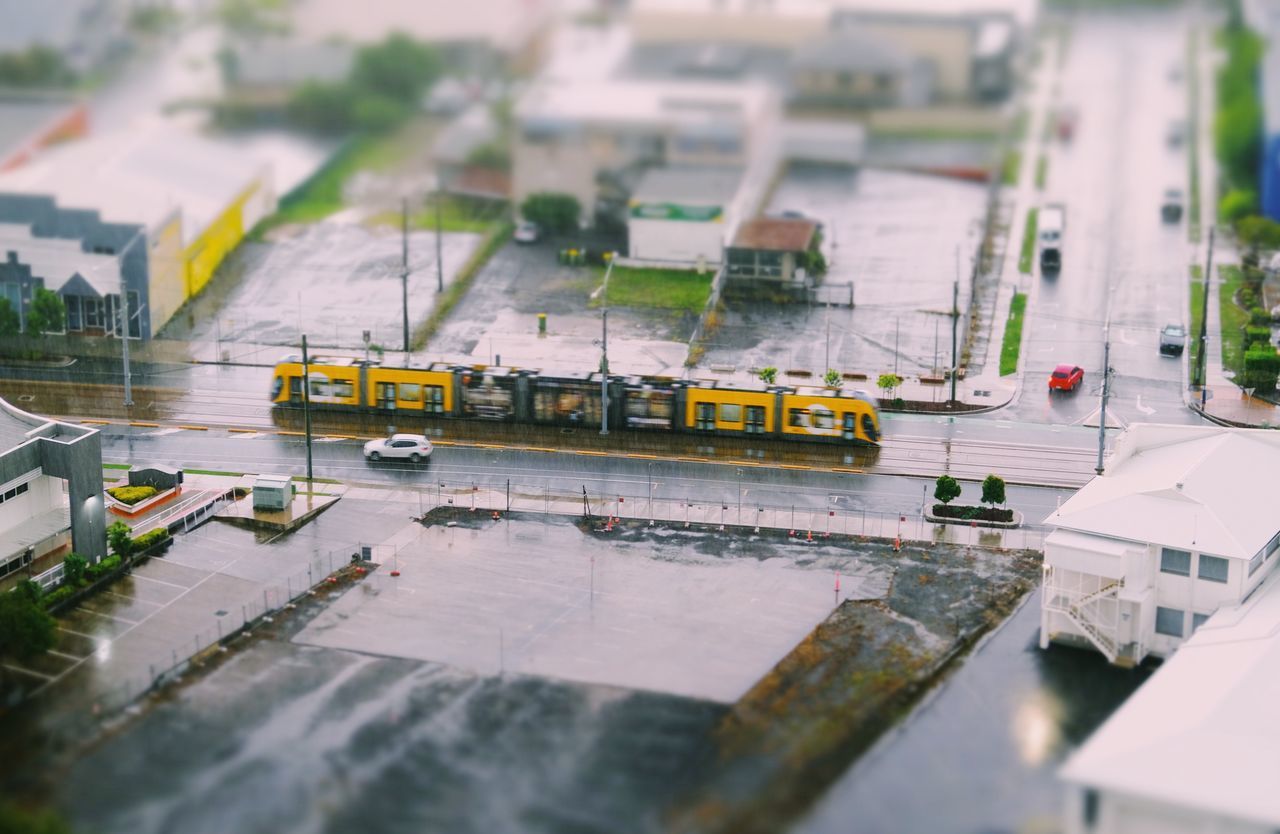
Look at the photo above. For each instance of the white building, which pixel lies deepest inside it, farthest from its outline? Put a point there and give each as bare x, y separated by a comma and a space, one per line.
1193, 750
1178, 527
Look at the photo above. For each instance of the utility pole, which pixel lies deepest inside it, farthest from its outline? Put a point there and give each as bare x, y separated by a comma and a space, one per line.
439, 245
1204, 323
1106, 388
404, 268
955, 322
897, 328
828, 356
123, 310
306, 403
604, 348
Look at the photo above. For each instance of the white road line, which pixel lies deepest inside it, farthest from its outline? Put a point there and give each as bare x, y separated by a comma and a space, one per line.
161, 581
107, 616
134, 599
64, 654
30, 672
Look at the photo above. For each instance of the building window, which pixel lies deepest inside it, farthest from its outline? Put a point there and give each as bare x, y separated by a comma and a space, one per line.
1169, 621
13, 492
1197, 620
1213, 569
1175, 561
730, 413
73, 312
1090, 809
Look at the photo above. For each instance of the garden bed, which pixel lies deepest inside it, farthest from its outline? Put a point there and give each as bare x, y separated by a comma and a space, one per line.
977, 516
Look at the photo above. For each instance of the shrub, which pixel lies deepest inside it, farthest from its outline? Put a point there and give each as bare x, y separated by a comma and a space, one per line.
1257, 335
768, 375
1258, 316
57, 596
30, 589
556, 213
831, 378
48, 313
993, 490
74, 567
132, 494
1248, 298
946, 489
147, 540
888, 382
25, 629
1261, 367
1258, 233
119, 539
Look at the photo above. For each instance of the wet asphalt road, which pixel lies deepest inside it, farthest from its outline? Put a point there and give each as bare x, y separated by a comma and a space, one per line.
1121, 263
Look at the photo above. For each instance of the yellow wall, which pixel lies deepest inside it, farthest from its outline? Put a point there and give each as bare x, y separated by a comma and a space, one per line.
207, 251
442, 379
166, 280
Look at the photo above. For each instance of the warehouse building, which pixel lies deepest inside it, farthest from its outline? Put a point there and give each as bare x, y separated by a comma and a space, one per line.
192, 201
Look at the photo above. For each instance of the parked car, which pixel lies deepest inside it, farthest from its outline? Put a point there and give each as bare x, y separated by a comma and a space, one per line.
1066, 378
414, 447
1173, 338
1171, 206
528, 232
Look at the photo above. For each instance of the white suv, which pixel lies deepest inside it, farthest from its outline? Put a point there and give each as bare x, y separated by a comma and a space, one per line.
415, 447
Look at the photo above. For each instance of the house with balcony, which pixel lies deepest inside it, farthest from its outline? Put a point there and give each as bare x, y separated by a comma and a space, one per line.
1175, 529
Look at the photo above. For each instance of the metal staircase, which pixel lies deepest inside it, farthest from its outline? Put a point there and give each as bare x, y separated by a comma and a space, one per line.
1082, 612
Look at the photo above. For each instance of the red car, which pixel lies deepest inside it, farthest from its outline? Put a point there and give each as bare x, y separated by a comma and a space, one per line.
1066, 378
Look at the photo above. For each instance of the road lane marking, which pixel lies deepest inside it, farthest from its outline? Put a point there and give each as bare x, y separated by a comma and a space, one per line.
106, 616
30, 672
591, 452
793, 466
693, 460
243, 431
194, 428
641, 457
144, 425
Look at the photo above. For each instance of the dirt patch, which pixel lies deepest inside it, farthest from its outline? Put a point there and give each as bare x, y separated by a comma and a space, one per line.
822, 706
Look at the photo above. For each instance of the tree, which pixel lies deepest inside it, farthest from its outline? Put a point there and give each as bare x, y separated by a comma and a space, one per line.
1237, 204
48, 313
556, 213
10, 324
490, 155
946, 489
1259, 233
36, 66
25, 629
15, 820
73, 568
831, 378
379, 113
30, 589
768, 375
888, 383
323, 108
399, 68
120, 538
993, 490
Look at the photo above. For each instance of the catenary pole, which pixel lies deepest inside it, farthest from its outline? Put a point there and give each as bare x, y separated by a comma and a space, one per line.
306, 403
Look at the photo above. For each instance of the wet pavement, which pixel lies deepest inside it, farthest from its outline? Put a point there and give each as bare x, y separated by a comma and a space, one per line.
895, 236
547, 600
330, 281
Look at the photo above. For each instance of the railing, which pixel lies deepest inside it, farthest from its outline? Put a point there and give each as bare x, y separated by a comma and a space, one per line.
1079, 596
51, 578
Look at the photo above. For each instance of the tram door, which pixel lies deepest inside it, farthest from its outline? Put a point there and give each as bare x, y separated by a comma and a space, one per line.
295, 389
755, 419
847, 430
386, 395
869, 428
705, 417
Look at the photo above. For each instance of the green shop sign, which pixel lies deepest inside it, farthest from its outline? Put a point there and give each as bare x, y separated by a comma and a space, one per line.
675, 211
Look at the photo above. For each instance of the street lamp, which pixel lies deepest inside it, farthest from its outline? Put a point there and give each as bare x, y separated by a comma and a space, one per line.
123, 317
604, 347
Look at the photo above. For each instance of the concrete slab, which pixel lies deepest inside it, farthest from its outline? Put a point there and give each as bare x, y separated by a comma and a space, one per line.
546, 599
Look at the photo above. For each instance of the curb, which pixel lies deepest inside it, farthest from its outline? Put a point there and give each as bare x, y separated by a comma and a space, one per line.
977, 522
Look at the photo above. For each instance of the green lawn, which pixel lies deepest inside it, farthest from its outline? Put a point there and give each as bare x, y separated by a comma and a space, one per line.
1197, 309
1233, 319
457, 214
664, 289
1042, 171
1012, 344
1028, 242
1012, 165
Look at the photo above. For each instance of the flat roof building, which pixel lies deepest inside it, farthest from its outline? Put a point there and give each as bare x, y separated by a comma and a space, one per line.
50, 493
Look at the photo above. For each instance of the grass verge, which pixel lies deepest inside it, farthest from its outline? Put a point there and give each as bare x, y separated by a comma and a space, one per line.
497, 236
457, 214
1197, 315
1233, 319
1042, 171
1028, 241
212, 472
117, 466
1012, 344
664, 289
1012, 165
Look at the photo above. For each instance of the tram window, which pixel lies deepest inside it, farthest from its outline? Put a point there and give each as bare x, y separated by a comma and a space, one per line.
823, 419
799, 418
755, 419
435, 399
344, 388
410, 392
319, 387
277, 384
730, 413
705, 417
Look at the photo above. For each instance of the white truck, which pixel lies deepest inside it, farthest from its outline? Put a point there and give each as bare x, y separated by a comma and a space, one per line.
1052, 222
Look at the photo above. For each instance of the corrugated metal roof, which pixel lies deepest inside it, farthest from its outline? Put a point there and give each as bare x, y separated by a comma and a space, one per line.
776, 234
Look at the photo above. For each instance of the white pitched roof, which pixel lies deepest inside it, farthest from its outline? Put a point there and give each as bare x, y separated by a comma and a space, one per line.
58, 260
141, 175
1201, 733
1192, 487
